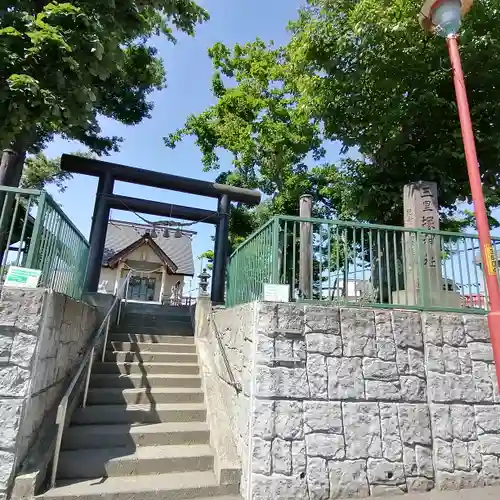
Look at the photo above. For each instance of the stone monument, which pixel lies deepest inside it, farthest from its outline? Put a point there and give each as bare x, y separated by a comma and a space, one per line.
424, 284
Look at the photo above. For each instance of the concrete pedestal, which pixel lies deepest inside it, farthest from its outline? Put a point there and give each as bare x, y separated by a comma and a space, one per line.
436, 298
203, 308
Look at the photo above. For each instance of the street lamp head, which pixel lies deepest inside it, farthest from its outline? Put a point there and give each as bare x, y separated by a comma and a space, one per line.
447, 17
443, 17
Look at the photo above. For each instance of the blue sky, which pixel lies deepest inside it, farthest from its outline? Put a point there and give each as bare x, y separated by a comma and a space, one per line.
189, 74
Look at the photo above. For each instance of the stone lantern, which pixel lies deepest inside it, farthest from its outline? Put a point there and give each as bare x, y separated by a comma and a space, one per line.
204, 277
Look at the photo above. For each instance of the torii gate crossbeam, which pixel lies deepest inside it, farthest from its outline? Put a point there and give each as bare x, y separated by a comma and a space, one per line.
108, 173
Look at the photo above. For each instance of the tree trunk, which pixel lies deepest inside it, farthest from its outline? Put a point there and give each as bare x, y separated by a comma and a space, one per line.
7, 165
12, 163
11, 171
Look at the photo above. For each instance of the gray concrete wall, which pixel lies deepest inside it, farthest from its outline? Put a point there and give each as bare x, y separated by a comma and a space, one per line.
102, 303
42, 335
356, 402
235, 327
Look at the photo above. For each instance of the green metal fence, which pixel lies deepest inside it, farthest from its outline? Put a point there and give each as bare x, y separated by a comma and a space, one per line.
362, 264
35, 233
250, 266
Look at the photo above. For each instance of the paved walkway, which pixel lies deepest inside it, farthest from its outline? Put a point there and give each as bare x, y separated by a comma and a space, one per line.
489, 493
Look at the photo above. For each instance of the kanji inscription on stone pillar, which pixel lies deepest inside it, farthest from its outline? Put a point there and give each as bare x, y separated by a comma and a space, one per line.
422, 251
420, 202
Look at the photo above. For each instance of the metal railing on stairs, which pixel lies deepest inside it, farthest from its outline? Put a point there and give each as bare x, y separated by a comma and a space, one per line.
232, 380
98, 341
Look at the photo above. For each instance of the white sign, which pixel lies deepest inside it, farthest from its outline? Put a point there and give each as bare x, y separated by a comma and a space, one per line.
276, 293
22, 277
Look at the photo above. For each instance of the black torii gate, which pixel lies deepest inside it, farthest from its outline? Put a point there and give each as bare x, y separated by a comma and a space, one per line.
108, 173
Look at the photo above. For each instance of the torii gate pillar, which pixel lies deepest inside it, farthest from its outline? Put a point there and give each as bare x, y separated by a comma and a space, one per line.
108, 173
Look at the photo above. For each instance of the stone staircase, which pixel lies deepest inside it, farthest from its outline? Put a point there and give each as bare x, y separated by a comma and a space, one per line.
144, 433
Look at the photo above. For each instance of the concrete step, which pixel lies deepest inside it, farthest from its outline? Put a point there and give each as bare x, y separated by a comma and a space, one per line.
152, 339
150, 357
134, 461
132, 414
158, 330
147, 368
183, 316
169, 322
177, 486
161, 325
156, 395
111, 436
150, 347
169, 311
152, 316
140, 380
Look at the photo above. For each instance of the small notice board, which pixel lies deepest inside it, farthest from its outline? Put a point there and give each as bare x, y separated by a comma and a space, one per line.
276, 293
22, 277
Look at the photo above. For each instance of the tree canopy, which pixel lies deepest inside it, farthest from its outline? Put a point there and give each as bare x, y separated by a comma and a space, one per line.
376, 81
364, 73
65, 64
208, 256
40, 171
257, 120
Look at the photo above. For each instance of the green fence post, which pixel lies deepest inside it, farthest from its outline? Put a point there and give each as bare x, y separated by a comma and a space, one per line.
36, 235
275, 252
422, 279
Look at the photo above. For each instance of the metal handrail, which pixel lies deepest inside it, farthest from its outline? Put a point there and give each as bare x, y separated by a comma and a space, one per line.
252, 236
192, 317
232, 380
55, 206
189, 302
366, 225
192, 311
357, 225
87, 360
33, 192
124, 286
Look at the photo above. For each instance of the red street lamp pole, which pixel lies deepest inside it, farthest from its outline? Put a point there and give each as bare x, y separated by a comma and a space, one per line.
444, 17
483, 227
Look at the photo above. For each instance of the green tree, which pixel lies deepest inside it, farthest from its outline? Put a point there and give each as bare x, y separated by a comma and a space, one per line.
209, 257
256, 119
364, 73
40, 172
64, 65
375, 81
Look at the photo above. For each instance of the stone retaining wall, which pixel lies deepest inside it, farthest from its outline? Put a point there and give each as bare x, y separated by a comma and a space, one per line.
235, 327
356, 402
42, 335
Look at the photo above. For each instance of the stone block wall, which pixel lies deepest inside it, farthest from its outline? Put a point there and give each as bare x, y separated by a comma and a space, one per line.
464, 402
42, 335
356, 402
236, 329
